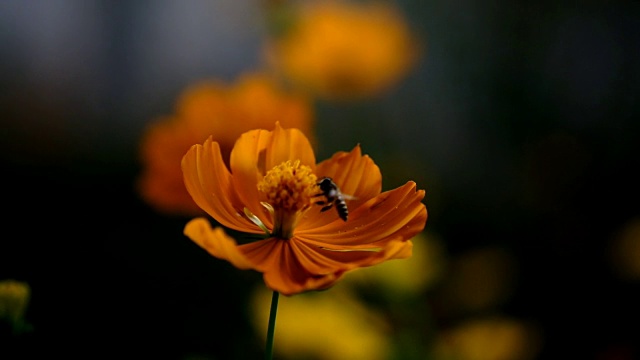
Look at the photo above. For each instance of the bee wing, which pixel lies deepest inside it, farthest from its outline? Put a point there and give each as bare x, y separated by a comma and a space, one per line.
349, 197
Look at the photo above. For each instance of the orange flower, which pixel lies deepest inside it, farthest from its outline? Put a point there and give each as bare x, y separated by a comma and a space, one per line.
271, 187
217, 109
343, 50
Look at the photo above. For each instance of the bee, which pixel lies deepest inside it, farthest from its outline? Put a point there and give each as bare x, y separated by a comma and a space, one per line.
334, 197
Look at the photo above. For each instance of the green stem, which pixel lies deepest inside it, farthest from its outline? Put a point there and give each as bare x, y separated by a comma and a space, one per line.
272, 325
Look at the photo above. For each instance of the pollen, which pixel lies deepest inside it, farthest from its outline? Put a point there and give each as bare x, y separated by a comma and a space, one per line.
289, 187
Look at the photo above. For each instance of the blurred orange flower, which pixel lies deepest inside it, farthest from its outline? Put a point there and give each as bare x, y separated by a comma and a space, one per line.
344, 50
211, 108
271, 187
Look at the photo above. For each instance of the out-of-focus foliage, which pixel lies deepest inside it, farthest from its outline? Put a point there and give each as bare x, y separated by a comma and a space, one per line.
14, 300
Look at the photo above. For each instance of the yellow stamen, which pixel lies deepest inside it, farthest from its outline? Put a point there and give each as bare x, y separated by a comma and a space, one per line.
289, 188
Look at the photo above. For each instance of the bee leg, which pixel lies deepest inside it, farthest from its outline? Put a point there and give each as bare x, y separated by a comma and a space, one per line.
326, 207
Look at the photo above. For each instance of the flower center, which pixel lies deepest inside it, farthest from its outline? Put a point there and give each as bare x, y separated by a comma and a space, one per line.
289, 189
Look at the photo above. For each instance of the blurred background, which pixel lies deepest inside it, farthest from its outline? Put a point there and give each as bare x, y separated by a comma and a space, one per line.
519, 119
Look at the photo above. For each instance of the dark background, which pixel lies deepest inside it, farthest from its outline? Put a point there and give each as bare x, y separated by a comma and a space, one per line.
521, 122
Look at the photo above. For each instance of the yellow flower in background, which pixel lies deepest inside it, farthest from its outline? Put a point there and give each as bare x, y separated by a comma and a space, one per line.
344, 50
271, 187
397, 279
491, 338
312, 326
211, 108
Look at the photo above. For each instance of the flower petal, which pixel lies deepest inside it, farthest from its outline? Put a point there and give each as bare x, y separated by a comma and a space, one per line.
282, 269
356, 175
313, 259
292, 278
319, 260
209, 183
289, 144
394, 215
264, 254
258, 151
399, 250
247, 168
307, 267
216, 242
